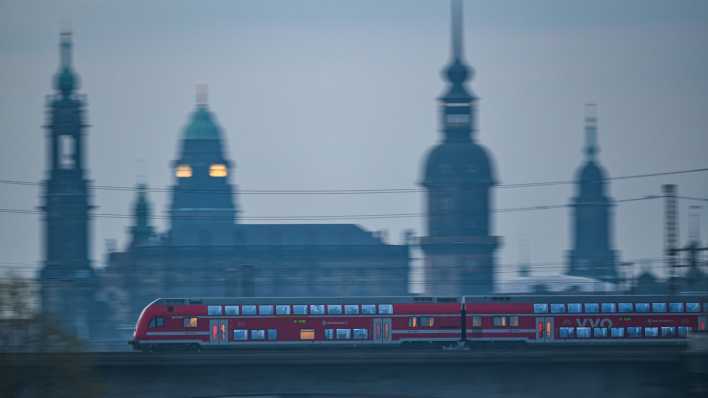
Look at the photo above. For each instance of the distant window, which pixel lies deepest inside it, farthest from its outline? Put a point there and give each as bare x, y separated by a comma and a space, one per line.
634, 331
427, 321
575, 308
190, 322
514, 321
668, 331
240, 335
499, 321
300, 309
676, 307
658, 307
540, 308
329, 334
360, 334
368, 309
617, 332
249, 310
641, 307
592, 307
583, 332
683, 331
218, 170
282, 309
265, 309
557, 308
317, 309
385, 309
476, 321
307, 334
183, 171
351, 309
156, 322
693, 307
214, 310
625, 307
566, 332
344, 334
599, 332
257, 334
651, 332
413, 322
609, 307
231, 310
272, 334
334, 309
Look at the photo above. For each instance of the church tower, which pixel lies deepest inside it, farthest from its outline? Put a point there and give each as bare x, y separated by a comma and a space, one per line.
203, 211
67, 278
592, 255
458, 177
142, 229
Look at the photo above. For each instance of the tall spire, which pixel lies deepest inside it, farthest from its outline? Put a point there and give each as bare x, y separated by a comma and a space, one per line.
202, 94
457, 72
456, 29
591, 148
65, 50
66, 81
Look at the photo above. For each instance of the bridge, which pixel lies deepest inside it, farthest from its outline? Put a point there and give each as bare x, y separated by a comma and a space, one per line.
481, 372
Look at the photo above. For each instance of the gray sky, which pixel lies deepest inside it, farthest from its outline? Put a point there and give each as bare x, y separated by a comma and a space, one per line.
341, 94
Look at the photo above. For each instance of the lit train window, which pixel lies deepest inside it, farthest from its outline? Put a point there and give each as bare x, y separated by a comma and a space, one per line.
617, 332
427, 321
592, 308
190, 322
575, 308
499, 321
368, 309
583, 332
625, 307
240, 335
683, 331
676, 307
476, 321
634, 331
540, 308
557, 308
272, 334
651, 332
317, 309
351, 309
257, 334
360, 334
344, 334
693, 307
641, 307
300, 309
514, 321
609, 307
412, 322
214, 310
566, 332
334, 309
668, 331
231, 310
282, 309
599, 332
329, 334
658, 307
386, 309
307, 334
266, 309
249, 309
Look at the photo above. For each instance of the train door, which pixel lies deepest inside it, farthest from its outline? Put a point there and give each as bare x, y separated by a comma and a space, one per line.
382, 330
544, 329
218, 331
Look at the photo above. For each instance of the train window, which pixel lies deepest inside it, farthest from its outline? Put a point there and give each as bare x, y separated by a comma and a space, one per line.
190, 322
668, 331
360, 334
231, 310
317, 309
651, 332
683, 331
307, 334
566, 332
266, 309
344, 334
583, 332
540, 308
693, 307
249, 310
676, 307
701, 323
575, 308
514, 321
300, 309
351, 309
617, 332
385, 309
499, 321
412, 322
609, 307
282, 309
240, 335
476, 321
592, 307
625, 307
634, 331
272, 334
214, 310
329, 334
599, 332
334, 309
658, 307
368, 309
641, 307
427, 321
257, 334
557, 308
157, 322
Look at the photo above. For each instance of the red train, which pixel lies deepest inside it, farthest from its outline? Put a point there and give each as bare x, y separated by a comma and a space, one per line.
355, 321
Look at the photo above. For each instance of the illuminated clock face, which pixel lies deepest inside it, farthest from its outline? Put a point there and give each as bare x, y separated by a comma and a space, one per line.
218, 170
183, 171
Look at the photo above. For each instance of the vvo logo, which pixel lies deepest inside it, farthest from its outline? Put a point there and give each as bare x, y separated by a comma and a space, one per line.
594, 322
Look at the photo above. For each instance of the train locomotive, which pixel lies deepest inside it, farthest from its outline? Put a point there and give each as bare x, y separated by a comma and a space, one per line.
249, 322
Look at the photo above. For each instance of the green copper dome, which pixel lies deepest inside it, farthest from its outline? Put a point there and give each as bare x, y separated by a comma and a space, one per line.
201, 126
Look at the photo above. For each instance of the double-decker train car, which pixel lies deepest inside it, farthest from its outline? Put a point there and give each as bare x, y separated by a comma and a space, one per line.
389, 321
